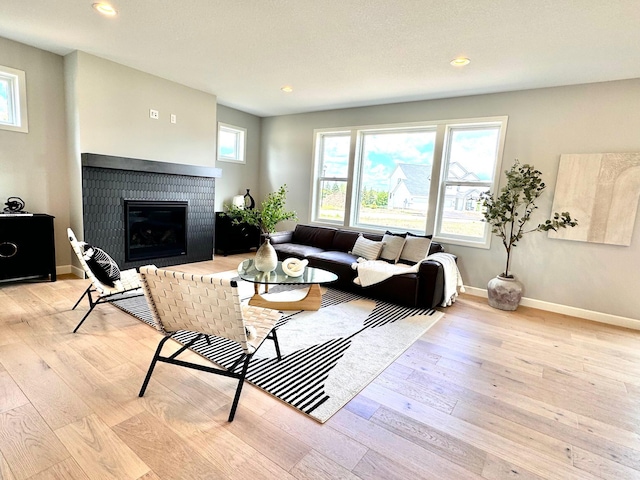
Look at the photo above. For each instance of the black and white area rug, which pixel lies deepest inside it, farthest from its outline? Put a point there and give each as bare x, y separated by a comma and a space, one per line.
328, 356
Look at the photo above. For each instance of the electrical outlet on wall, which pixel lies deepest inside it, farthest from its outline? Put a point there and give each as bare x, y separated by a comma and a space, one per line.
174, 119
153, 114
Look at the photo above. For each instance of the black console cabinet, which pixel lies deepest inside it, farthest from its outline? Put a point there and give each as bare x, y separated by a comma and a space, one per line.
232, 238
27, 247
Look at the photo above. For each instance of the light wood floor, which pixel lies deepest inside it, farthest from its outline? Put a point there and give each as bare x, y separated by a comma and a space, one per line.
483, 394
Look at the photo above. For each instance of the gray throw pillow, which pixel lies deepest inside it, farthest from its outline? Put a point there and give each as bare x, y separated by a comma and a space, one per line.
415, 249
392, 247
367, 249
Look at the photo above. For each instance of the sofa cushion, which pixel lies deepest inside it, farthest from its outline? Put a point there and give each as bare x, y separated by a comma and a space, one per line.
285, 250
392, 246
344, 240
320, 237
334, 257
368, 249
415, 248
338, 263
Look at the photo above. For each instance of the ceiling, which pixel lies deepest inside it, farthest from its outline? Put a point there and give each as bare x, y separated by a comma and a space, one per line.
343, 53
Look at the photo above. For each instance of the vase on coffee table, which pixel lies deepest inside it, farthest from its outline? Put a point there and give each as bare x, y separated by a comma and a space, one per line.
266, 259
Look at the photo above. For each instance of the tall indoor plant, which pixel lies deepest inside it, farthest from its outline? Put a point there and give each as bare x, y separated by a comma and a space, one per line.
270, 213
508, 214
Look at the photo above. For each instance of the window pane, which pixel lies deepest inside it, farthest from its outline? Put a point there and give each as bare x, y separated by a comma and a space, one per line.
228, 143
333, 196
5, 111
473, 154
462, 212
335, 156
395, 178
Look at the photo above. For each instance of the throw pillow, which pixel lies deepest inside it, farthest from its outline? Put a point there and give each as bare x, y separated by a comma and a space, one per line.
368, 249
101, 265
415, 248
392, 246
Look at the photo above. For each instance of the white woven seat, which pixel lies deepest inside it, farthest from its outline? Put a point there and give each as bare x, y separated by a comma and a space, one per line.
209, 306
129, 282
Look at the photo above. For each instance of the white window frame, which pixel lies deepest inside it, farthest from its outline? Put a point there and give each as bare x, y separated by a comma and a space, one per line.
318, 178
18, 117
241, 143
485, 241
443, 130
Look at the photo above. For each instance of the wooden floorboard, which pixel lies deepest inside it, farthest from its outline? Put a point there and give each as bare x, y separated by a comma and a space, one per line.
484, 394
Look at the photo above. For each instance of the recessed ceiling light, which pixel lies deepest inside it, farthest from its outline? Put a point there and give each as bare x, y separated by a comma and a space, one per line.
287, 89
460, 62
105, 9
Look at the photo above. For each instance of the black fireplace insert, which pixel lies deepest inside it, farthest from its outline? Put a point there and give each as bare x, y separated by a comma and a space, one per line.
155, 229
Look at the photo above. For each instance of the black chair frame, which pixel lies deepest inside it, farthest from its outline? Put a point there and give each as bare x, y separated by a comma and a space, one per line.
243, 359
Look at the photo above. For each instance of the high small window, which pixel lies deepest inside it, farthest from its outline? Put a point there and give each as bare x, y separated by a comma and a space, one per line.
232, 142
13, 100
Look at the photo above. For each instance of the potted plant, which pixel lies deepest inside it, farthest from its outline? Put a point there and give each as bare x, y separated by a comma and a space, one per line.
508, 215
270, 213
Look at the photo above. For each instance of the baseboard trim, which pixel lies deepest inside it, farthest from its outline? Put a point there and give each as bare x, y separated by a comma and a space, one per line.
567, 310
61, 269
78, 272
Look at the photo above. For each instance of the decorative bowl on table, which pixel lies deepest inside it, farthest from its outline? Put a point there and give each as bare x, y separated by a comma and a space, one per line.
294, 267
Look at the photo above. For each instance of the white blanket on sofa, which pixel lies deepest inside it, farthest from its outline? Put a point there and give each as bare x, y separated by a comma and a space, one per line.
371, 272
452, 278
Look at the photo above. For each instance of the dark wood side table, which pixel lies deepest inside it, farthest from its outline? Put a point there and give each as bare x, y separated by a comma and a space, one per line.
27, 246
232, 238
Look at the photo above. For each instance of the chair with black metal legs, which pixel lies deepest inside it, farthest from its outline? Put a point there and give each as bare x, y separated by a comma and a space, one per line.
209, 307
128, 282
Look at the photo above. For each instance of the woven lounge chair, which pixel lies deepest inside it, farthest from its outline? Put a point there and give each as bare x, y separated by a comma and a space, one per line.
208, 306
129, 282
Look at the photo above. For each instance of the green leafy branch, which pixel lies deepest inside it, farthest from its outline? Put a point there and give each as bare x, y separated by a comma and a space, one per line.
509, 212
271, 212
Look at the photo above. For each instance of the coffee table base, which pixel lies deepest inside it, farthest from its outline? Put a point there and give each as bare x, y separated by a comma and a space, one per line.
311, 301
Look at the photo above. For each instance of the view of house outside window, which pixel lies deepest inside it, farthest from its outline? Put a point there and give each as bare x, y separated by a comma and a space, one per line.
470, 165
389, 177
395, 179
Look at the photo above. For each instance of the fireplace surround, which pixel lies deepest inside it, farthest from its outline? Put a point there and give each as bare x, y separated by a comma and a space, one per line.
109, 182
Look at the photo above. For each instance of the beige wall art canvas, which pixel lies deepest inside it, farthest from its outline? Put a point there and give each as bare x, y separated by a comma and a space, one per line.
601, 190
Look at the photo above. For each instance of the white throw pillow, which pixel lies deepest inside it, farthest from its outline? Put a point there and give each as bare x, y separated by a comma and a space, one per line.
367, 249
415, 249
392, 247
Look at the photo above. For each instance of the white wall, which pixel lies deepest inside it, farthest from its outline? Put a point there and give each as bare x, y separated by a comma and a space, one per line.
543, 124
33, 165
109, 108
236, 178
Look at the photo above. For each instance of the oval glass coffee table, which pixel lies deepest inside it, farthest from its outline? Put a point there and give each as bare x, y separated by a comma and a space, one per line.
311, 276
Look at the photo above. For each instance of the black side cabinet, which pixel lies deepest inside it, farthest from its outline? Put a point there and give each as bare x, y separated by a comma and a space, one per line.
27, 247
232, 238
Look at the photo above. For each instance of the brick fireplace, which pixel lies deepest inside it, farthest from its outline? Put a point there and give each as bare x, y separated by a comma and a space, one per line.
108, 182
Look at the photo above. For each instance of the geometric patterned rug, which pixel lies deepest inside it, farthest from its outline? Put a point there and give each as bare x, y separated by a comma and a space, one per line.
328, 356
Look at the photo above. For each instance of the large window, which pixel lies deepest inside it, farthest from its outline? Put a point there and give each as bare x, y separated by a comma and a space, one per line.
422, 178
13, 100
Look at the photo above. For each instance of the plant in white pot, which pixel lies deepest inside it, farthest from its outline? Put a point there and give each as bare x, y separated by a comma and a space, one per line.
270, 213
508, 213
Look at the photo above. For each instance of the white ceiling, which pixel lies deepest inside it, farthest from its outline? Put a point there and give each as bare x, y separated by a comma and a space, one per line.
344, 53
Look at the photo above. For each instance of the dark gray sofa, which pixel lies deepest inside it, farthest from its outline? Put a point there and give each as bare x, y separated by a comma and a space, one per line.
328, 248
